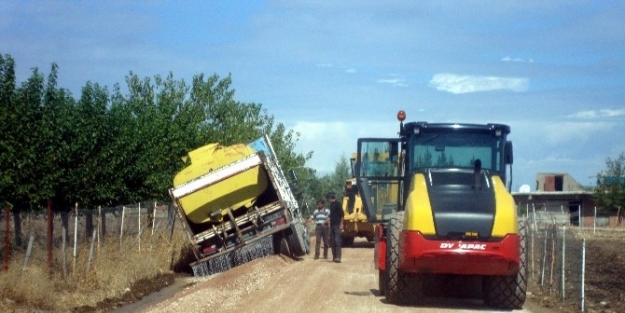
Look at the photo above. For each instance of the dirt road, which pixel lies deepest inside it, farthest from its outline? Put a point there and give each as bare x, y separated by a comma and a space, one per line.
280, 285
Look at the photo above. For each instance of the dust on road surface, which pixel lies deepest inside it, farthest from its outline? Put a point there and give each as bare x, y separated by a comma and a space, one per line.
277, 284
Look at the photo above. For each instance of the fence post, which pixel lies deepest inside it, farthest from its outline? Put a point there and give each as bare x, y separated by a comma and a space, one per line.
103, 228
563, 280
50, 233
139, 235
532, 252
583, 272
91, 250
121, 230
28, 251
544, 259
594, 223
153, 218
535, 219
75, 253
554, 237
99, 227
7, 238
580, 218
63, 259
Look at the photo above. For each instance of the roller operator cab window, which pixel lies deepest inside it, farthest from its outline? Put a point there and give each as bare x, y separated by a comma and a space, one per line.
455, 150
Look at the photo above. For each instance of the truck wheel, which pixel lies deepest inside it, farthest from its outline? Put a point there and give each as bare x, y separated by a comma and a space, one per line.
283, 246
508, 292
296, 240
381, 281
397, 289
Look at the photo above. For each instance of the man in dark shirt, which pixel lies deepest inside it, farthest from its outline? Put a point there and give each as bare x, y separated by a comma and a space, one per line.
336, 226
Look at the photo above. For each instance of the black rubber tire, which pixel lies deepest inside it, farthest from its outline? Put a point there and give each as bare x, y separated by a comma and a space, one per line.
398, 287
509, 292
285, 248
296, 240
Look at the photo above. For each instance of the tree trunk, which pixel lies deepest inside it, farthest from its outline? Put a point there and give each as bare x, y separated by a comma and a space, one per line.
17, 225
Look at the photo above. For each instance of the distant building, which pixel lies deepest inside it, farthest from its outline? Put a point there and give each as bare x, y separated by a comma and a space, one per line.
557, 182
560, 198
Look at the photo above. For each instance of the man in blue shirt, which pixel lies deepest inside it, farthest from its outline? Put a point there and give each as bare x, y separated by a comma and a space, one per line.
321, 216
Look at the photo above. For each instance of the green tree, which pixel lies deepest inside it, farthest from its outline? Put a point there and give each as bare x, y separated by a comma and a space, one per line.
8, 171
25, 133
306, 189
90, 173
227, 121
610, 189
335, 181
56, 137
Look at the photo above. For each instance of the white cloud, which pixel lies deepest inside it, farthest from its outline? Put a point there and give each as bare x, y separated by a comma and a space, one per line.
592, 114
349, 70
346, 69
613, 113
510, 59
396, 82
458, 84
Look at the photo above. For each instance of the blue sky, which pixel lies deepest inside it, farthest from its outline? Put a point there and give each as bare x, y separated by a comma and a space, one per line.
338, 70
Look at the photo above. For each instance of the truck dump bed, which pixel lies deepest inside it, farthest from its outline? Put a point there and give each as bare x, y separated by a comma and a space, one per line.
206, 204
236, 205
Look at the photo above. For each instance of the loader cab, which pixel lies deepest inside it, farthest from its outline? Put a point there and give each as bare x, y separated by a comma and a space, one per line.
384, 167
379, 171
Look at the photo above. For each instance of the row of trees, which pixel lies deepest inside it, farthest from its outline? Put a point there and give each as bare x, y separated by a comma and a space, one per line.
610, 188
108, 147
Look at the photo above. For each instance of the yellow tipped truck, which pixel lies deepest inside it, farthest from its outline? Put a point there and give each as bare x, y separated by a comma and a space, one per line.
236, 205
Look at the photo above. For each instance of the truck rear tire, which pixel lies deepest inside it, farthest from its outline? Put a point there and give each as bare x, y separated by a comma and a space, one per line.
509, 292
296, 240
397, 289
284, 247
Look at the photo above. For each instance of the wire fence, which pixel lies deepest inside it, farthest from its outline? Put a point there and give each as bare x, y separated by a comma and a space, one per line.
131, 224
577, 266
